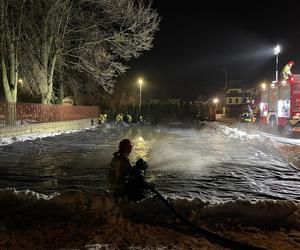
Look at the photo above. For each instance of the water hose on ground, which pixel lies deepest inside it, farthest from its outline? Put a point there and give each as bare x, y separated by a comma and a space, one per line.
209, 235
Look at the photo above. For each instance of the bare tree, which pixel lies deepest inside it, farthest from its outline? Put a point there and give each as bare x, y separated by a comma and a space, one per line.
11, 28
92, 37
48, 22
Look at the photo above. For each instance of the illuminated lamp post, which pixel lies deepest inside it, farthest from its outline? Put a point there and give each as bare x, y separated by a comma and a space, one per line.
264, 86
215, 102
140, 82
276, 52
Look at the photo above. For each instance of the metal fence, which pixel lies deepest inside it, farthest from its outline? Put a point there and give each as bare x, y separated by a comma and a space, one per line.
16, 114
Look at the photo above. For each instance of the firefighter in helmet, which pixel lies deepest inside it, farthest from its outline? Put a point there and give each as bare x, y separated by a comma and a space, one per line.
120, 168
127, 180
128, 118
286, 71
119, 118
102, 118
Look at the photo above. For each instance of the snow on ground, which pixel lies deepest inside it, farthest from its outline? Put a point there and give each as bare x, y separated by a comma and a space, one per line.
29, 220
31, 137
288, 148
249, 133
236, 133
98, 221
280, 139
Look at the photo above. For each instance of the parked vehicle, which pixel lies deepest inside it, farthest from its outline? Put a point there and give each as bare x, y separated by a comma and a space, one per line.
280, 104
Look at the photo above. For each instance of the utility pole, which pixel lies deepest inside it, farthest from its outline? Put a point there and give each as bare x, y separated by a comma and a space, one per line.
225, 90
225, 78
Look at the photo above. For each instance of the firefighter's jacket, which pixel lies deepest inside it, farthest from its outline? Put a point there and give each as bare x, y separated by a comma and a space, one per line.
119, 172
129, 118
286, 72
119, 118
102, 118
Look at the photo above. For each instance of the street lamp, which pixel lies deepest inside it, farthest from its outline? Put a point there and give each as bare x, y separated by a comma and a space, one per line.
140, 82
264, 86
276, 52
215, 101
20, 81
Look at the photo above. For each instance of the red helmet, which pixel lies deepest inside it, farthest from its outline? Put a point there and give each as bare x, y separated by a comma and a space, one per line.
291, 62
125, 146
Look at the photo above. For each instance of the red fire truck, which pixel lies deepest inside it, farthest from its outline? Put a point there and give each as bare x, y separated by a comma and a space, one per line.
280, 104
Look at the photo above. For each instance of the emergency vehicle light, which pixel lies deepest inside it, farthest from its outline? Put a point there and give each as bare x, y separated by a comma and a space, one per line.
292, 79
296, 114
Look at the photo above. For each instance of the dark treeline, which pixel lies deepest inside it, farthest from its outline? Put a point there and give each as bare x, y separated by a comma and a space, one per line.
165, 112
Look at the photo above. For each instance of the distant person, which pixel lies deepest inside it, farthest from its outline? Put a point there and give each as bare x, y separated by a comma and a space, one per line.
247, 114
250, 111
119, 118
286, 71
102, 118
141, 119
129, 118
256, 114
120, 168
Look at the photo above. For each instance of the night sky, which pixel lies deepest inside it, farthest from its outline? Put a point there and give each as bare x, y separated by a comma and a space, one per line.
194, 43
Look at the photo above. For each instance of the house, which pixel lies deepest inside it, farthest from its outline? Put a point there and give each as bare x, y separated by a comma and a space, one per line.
235, 100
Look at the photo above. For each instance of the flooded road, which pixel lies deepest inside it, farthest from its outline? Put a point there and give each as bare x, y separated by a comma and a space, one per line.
203, 162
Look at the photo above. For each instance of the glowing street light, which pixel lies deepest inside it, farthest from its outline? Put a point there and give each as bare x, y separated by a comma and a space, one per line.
140, 82
276, 52
264, 86
216, 101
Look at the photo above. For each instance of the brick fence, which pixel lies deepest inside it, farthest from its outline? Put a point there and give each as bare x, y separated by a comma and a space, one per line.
16, 114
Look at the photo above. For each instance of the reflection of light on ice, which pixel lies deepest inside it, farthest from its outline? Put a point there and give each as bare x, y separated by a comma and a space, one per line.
141, 148
141, 139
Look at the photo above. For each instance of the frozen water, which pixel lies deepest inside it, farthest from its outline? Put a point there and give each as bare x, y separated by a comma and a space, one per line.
214, 163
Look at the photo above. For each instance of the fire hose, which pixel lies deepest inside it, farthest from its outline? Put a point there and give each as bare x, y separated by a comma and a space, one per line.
209, 235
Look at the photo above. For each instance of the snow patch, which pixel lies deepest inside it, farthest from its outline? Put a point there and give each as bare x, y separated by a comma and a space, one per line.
235, 133
27, 193
97, 247
153, 210
31, 137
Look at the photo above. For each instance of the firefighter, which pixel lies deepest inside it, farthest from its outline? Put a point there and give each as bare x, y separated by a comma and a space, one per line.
102, 118
119, 118
129, 118
286, 71
247, 114
120, 168
141, 119
256, 113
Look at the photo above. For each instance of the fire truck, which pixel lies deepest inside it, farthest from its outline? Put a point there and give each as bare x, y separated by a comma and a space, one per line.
280, 104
